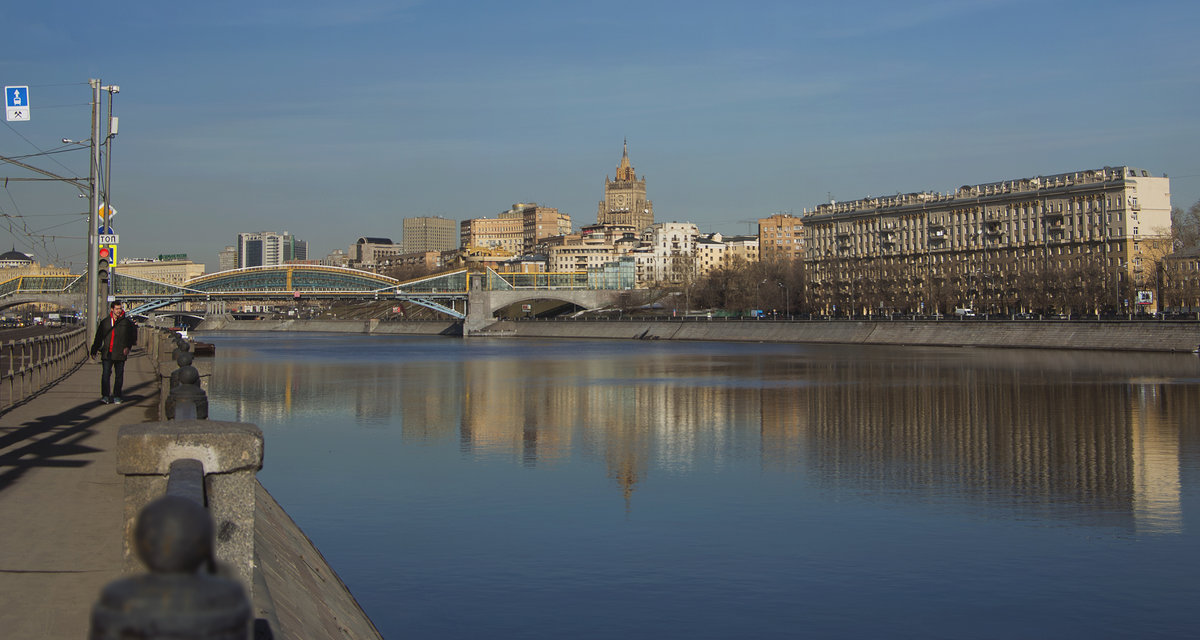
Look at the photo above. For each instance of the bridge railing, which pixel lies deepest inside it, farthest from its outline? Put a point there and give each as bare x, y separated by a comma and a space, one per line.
29, 365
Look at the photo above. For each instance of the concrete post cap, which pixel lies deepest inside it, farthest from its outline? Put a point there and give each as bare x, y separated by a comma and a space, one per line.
222, 447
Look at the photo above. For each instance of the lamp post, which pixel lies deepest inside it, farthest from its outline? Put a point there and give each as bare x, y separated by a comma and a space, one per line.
93, 290
787, 300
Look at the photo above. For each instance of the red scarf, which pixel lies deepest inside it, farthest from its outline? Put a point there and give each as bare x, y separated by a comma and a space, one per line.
112, 321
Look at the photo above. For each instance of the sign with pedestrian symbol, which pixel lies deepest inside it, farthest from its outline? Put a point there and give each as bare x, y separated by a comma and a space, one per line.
16, 104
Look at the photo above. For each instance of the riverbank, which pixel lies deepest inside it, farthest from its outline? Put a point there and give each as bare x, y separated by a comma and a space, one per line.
1106, 335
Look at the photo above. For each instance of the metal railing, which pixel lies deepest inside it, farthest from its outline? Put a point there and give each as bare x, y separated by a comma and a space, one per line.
29, 365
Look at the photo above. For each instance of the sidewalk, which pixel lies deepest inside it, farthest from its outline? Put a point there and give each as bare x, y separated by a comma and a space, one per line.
61, 500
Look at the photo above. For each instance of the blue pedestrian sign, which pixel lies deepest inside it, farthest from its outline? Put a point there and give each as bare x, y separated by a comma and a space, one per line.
16, 104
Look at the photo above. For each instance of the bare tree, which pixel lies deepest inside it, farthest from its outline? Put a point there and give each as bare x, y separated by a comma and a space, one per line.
1185, 227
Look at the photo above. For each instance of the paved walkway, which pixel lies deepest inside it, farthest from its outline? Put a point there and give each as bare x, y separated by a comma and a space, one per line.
61, 500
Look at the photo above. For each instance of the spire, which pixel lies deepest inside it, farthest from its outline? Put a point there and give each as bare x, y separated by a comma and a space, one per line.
625, 170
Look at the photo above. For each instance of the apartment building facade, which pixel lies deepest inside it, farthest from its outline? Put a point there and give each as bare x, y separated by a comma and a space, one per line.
781, 237
504, 234
716, 251
516, 231
269, 248
667, 254
1009, 246
428, 233
369, 252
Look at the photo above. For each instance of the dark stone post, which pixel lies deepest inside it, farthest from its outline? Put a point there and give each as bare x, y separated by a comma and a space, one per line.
174, 538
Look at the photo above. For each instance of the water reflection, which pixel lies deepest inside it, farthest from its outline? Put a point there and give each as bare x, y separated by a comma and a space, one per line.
1028, 430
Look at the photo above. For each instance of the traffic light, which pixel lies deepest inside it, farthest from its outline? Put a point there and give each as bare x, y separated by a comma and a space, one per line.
103, 263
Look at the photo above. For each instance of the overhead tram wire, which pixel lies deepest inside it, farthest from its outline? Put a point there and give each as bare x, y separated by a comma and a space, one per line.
31, 238
41, 152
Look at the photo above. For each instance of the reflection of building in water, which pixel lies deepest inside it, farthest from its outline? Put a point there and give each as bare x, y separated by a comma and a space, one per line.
651, 416
1017, 428
999, 432
507, 412
268, 391
784, 428
1155, 445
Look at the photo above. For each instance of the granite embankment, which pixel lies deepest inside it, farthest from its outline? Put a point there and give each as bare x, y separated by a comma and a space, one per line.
1028, 334
1106, 335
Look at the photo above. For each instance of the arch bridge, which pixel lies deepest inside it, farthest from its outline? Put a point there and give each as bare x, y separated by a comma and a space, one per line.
65, 291
470, 296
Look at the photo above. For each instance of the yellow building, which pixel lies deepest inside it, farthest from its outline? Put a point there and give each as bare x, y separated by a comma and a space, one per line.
1078, 242
505, 233
781, 237
716, 251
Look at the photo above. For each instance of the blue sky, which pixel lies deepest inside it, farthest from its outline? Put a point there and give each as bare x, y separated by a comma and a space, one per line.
336, 120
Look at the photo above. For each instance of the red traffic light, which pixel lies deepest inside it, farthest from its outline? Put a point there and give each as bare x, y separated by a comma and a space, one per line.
105, 253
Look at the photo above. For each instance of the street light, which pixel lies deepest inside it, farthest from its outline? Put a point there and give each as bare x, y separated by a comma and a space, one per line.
787, 300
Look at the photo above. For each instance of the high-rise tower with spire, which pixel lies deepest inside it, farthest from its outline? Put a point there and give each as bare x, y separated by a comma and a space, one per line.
625, 200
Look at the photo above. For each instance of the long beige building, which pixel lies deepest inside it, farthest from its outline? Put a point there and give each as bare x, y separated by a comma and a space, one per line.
1063, 241
174, 272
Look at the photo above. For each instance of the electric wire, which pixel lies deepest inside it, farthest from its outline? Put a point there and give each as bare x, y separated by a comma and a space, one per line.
17, 222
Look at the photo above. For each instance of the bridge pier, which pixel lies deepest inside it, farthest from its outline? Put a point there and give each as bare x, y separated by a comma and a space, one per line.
481, 304
479, 312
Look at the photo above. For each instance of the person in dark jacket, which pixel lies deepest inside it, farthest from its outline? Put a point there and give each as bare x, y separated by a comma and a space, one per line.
115, 337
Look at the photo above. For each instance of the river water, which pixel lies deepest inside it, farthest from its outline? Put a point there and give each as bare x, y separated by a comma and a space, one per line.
598, 489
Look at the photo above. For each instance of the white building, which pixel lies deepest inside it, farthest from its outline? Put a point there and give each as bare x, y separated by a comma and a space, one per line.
667, 254
268, 248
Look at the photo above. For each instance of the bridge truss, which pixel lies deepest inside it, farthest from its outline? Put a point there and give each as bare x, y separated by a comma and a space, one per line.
441, 292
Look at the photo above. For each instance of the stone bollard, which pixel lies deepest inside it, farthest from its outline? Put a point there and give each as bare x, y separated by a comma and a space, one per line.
187, 400
184, 359
230, 453
174, 538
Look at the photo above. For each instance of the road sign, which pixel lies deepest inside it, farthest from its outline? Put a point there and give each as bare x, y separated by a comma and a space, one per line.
16, 104
110, 238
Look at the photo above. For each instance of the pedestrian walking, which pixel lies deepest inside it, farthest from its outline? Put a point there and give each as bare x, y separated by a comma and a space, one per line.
115, 337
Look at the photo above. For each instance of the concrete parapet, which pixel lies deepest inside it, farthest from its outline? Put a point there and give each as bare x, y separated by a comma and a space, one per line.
231, 454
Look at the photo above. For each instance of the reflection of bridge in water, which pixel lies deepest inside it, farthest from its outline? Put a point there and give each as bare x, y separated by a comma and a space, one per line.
473, 297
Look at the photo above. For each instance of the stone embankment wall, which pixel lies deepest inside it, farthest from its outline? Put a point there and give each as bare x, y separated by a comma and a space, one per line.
224, 323
1030, 334
1107, 335
295, 590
